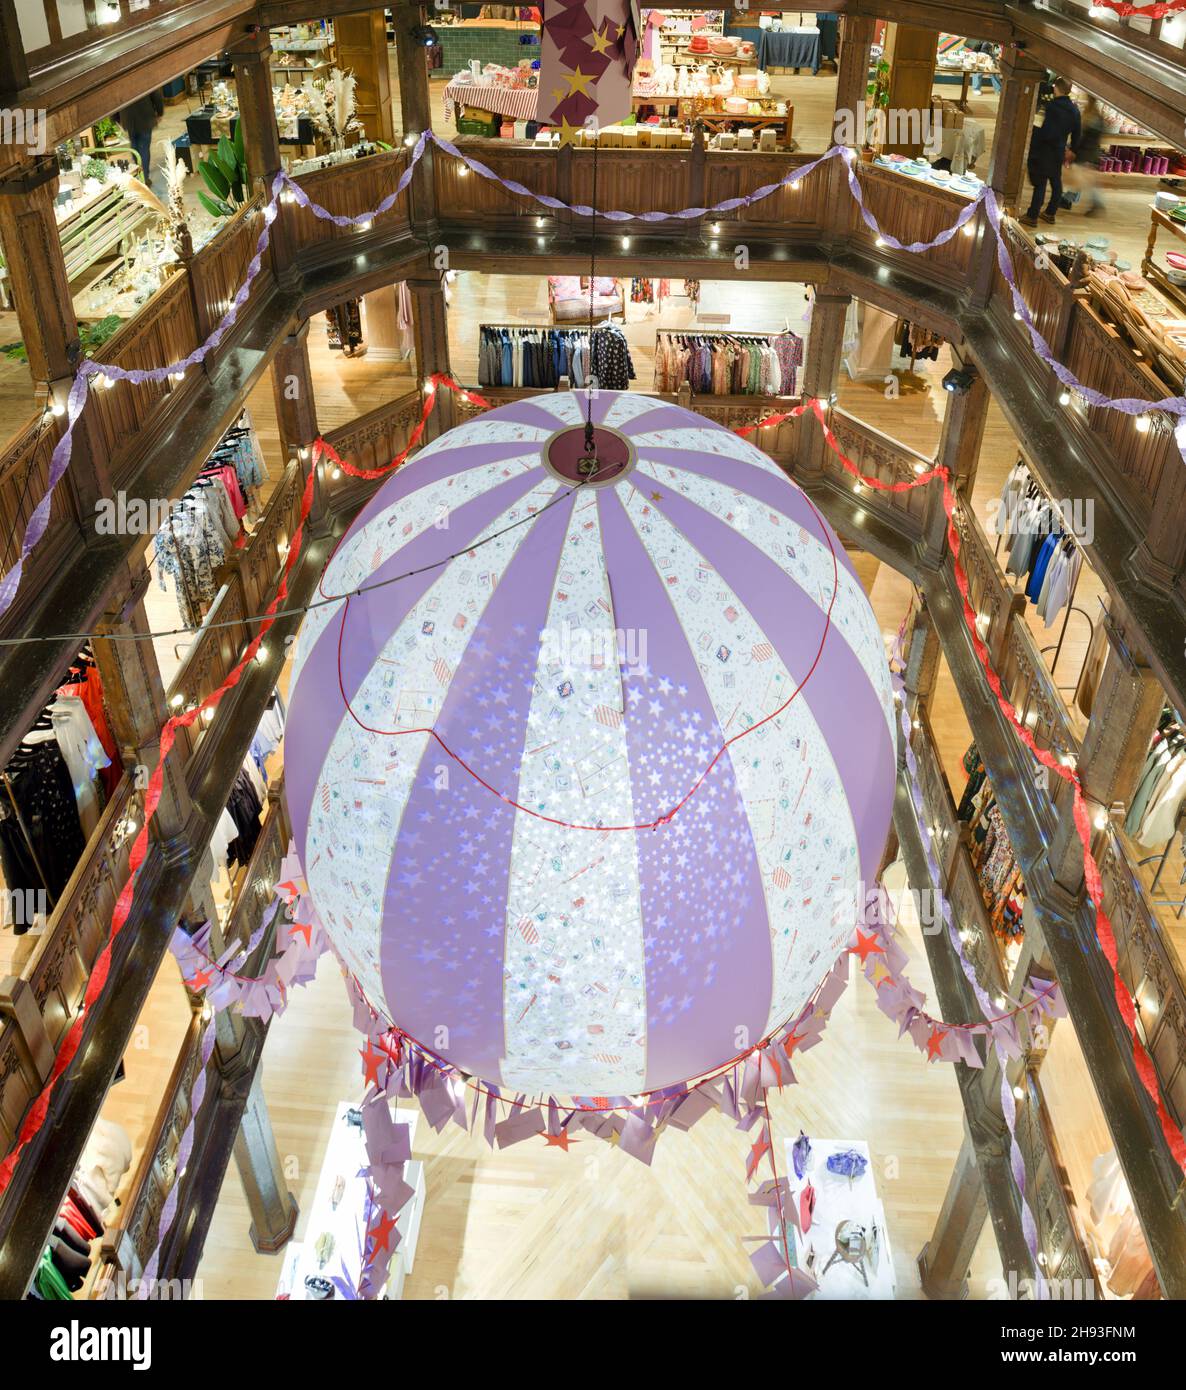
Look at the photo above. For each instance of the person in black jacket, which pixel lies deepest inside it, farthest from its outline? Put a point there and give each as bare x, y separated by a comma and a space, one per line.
139, 121
1049, 151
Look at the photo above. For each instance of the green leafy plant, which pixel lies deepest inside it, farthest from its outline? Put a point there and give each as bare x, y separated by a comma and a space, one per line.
90, 337
224, 172
103, 130
96, 169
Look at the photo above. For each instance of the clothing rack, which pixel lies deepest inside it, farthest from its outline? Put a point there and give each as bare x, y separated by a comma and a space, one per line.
679, 358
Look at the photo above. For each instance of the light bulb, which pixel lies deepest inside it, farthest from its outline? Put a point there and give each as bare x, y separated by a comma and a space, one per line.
1142, 423
1064, 398
1019, 1092
968, 229
625, 243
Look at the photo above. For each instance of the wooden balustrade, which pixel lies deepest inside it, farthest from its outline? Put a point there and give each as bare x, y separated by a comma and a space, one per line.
24, 476
1150, 967
1045, 289
912, 211
1135, 463
163, 331
1041, 708
879, 456
462, 194
347, 189
797, 209
54, 978
374, 439
218, 270
988, 593
129, 1241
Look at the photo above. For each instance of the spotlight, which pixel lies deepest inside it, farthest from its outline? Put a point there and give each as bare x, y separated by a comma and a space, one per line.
424, 34
959, 380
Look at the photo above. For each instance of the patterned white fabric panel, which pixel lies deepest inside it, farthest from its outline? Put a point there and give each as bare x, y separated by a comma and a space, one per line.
367, 550
803, 831
803, 557
575, 991
365, 779
722, 443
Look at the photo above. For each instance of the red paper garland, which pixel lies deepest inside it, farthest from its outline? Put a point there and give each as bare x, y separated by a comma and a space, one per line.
1157, 11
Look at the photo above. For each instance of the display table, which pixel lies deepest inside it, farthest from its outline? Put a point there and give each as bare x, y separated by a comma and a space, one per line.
962, 146
516, 103
1153, 272
789, 48
838, 1199
201, 129
965, 75
345, 1156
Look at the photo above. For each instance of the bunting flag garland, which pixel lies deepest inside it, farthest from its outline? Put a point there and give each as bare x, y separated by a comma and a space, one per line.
1155, 11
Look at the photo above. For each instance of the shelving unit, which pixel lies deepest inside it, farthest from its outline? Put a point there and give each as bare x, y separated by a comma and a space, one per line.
318, 49
94, 229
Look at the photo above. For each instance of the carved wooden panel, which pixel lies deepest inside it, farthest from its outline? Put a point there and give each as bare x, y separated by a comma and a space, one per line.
876, 455
797, 208
220, 267
913, 211
461, 193
347, 190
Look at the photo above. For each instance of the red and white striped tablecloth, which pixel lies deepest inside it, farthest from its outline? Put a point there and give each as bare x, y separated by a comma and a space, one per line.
516, 103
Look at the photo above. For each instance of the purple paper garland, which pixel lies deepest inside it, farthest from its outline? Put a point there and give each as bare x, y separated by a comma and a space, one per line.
282, 182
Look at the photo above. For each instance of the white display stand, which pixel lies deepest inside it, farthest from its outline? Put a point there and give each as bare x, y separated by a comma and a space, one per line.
837, 1199
345, 1156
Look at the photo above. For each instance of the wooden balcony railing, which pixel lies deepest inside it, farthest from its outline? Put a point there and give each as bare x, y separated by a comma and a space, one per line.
878, 456
37, 1009
129, 1242
1151, 968
346, 190
220, 267
912, 211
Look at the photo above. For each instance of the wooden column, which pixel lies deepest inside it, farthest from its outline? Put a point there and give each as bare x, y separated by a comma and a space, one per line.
852, 79
135, 698
415, 110
911, 54
946, 1258
296, 409
251, 55
1124, 714
14, 71
1020, 77
273, 1208
362, 49
45, 312
821, 372
963, 427
431, 329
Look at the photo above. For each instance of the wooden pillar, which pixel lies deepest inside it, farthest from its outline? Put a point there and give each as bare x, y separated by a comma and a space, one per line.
296, 409
415, 110
1124, 714
251, 55
45, 312
135, 698
273, 1208
431, 328
14, 70
911, 53
361, 41
821, 372
923, 652
1020, 77
963, 426
849, 117
946, 1258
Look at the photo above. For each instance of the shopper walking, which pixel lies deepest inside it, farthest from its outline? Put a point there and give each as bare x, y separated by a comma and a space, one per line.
1049, 151
984, 46
139, 121
1087, 154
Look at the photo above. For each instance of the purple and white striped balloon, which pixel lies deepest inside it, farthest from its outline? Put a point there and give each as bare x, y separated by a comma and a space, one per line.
588, 664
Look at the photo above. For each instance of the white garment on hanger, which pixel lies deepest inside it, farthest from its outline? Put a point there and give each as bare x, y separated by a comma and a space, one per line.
83, 753
1161, 816
105, 1159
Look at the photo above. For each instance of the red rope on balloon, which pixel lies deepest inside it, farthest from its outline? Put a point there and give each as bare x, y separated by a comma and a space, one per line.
667, 816
36, 1116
